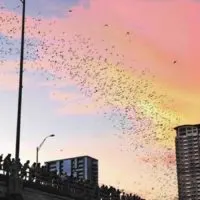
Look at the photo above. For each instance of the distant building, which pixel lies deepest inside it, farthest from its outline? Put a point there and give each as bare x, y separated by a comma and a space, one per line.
188, 161
83, 167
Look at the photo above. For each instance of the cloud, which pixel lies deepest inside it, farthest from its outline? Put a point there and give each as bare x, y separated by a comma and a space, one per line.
9, 66
78, 109
9, 76
56, 83
8, 82
72, 103
63, 96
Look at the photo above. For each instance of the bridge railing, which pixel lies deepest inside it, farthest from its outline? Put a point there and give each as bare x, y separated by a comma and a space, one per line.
75, 189
69, 189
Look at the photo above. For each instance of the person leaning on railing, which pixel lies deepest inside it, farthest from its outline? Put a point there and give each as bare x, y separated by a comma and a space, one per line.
7, 164
37, 173
44, 175
24, 169
54, 178
32, 172
1, 162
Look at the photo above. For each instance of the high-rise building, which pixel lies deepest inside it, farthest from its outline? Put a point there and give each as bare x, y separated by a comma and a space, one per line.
188, 161
83, 167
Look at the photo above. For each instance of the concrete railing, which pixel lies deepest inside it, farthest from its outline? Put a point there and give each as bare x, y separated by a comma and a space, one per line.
72, 190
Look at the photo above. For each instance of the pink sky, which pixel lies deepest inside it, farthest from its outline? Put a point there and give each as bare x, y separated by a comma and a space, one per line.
147, 35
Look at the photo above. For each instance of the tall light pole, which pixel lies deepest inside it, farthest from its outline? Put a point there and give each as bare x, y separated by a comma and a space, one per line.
17, 147
39, 147
14, 183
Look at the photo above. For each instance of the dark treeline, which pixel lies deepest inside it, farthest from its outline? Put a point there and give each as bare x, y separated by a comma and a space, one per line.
39, 177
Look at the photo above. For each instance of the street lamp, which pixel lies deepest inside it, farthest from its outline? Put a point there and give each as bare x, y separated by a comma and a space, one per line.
39, 147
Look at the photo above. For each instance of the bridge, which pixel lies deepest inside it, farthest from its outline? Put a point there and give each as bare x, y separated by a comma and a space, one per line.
45, 191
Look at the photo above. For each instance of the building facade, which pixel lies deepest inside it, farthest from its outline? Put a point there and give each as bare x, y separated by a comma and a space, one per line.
83, 167
188, 161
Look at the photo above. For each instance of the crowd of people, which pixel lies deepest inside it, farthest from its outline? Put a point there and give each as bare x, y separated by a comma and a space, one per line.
51, 181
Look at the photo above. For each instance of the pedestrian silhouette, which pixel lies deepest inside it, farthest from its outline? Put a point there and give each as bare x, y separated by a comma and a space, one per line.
25, 167
18, 166
1, 160
7, 164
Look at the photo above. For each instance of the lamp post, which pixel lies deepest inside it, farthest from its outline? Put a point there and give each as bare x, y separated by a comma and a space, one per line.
39, 147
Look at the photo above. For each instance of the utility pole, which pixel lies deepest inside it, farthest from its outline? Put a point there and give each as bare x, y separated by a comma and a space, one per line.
14, 182
18, 131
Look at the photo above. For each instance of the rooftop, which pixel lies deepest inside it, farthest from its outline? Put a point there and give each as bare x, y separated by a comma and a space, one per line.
186, 125
71, 159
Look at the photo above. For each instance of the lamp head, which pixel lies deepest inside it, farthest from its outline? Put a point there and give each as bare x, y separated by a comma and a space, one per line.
52, 135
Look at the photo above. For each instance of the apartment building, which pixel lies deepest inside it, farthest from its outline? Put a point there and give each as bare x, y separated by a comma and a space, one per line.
188, 161
83, 167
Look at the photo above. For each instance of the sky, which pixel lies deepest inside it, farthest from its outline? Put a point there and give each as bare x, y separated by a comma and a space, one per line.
111, 79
